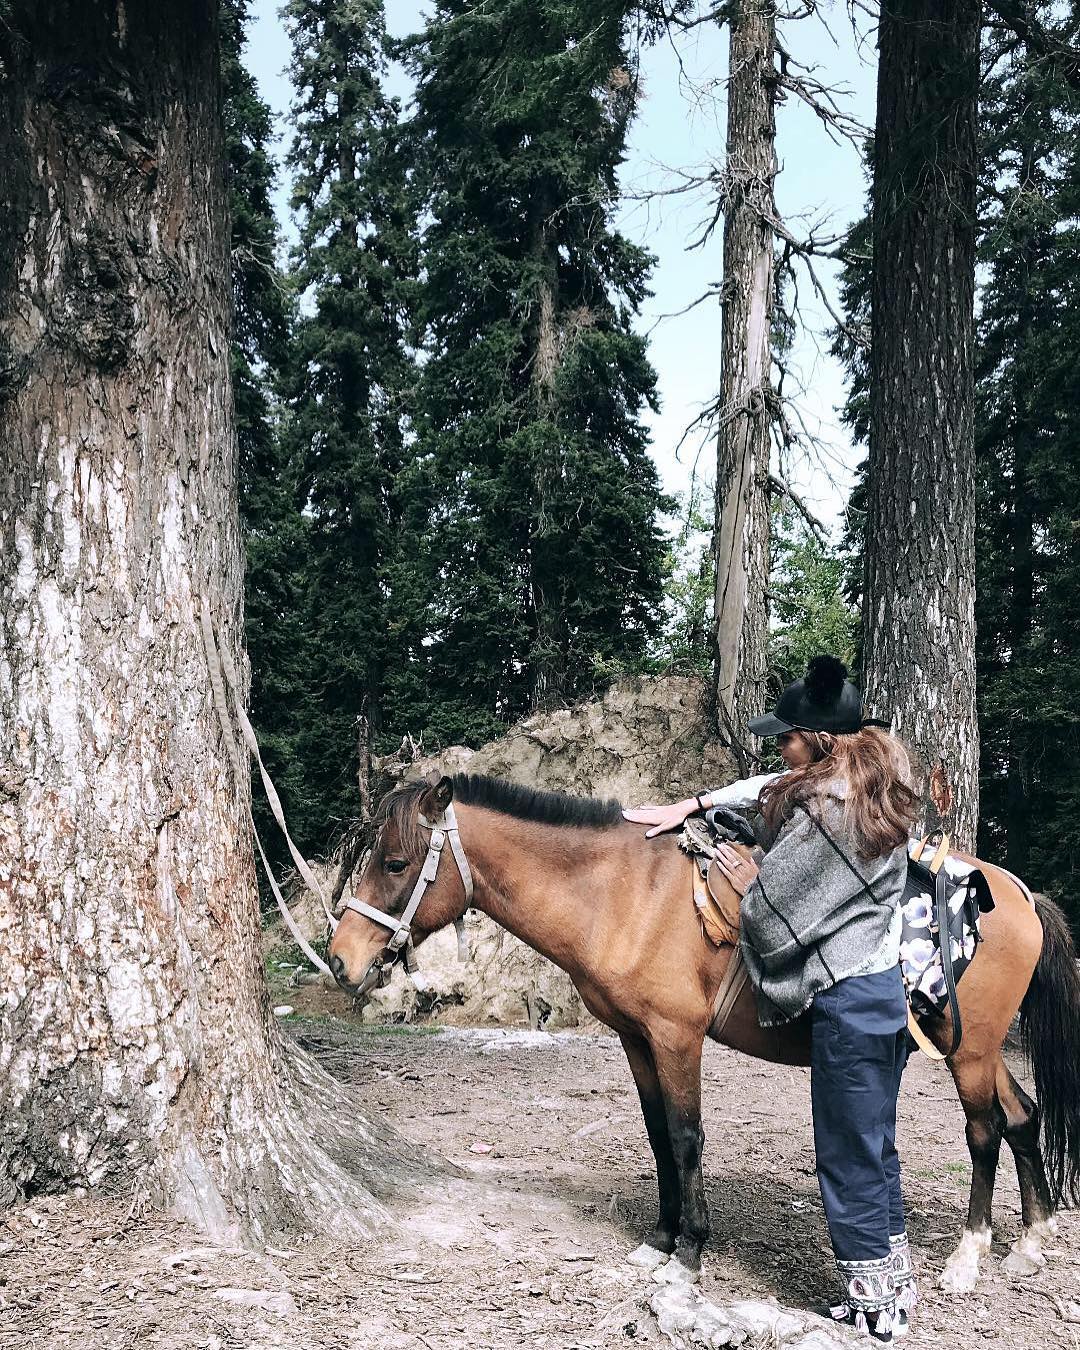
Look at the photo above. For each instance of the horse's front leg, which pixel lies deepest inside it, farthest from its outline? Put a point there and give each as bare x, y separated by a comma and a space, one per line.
660, 1243
678, 1069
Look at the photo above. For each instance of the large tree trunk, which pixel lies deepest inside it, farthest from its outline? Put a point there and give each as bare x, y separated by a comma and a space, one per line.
1021, 542
743, 446
919, 607
138, 1046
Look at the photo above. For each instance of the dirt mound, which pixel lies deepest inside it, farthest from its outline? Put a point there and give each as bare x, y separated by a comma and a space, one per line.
645, 740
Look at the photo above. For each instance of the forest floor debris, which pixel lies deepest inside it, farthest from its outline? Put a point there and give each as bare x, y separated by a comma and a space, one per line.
535, 1254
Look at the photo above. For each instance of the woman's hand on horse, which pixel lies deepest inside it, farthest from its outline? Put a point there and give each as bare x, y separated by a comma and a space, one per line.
740, 872
661, 818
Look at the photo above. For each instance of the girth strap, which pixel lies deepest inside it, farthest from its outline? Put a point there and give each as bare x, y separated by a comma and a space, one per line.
731, 986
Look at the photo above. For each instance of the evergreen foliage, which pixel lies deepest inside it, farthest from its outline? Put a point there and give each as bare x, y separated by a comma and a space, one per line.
450, 511
1028, 432
272, 525
345, 388
809, 613
685, 646
851, 346
539, 557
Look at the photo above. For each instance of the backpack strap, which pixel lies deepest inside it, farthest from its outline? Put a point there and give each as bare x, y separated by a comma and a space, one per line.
940, 854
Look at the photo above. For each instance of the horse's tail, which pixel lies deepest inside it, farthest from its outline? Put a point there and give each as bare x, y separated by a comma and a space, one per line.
1050, 1027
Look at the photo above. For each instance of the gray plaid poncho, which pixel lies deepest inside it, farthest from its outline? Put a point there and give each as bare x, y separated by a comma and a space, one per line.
807, 921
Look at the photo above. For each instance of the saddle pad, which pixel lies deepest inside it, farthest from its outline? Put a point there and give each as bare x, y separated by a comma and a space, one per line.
920, 951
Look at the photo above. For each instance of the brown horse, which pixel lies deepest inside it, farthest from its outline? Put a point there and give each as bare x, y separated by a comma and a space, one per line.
569, 877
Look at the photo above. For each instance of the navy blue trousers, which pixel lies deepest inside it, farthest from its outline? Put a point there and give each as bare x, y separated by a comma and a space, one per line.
857, 1054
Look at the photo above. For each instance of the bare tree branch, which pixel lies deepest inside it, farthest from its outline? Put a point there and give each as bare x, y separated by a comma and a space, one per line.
673, 19
799, 79
784, 488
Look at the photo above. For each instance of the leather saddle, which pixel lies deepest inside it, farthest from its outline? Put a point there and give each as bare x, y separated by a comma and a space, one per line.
717, 904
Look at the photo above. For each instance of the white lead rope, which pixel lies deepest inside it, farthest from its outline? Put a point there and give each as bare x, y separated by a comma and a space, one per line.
219, 662
222, 672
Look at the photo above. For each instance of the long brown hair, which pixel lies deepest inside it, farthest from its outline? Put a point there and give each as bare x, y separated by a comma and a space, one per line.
879, 805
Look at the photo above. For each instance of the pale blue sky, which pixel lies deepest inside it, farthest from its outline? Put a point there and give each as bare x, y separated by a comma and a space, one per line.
676, 129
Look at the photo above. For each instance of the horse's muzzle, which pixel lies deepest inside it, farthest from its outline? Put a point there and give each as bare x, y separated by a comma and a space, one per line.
377, 976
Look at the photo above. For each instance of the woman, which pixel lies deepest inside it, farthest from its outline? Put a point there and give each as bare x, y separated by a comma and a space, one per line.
821, 934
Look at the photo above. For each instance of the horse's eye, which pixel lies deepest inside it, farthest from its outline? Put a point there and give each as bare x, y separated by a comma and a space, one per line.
395, 865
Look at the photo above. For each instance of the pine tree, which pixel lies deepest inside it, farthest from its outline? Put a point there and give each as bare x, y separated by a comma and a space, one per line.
919, 597
543, 557
273, 527
850, 344
747, 400
140, 1056
1028, 439
1028, 449
349, 370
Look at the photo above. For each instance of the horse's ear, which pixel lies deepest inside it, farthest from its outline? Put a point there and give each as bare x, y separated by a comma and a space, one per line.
438, 797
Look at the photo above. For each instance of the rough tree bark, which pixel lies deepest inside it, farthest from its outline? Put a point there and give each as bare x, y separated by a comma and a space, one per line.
1021, 539
919, 615
744, 441
137, 1049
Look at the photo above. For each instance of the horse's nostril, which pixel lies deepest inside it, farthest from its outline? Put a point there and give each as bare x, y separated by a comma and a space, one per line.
337, 965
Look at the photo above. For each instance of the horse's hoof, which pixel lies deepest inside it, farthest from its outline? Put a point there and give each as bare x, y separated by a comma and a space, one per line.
648, 1258
959, 1279
961, 1273
674, 1272
1026, 1256
1021, 1263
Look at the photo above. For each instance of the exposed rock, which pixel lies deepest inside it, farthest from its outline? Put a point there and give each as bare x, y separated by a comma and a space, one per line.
645, 740
689, 1320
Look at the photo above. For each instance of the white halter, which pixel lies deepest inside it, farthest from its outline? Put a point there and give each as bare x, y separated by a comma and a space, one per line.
442, 829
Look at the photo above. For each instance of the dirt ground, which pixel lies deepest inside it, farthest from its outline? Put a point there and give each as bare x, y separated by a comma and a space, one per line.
527, 1248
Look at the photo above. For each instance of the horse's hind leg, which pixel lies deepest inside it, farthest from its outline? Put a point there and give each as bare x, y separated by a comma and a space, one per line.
986, 1121
660, 1243
1022, 1136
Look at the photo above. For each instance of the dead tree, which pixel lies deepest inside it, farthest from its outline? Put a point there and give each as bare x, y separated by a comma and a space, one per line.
745, 402
139, 1048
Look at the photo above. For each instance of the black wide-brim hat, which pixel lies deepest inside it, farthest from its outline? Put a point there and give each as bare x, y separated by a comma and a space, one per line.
823, 700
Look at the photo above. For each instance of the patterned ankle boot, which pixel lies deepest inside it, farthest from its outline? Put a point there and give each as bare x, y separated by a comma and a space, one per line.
903, 1273
870, 1302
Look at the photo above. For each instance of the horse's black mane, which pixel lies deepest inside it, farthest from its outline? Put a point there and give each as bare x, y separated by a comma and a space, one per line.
511, 799
527, 803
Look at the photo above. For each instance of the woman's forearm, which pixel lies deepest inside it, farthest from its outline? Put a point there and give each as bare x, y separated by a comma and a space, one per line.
743, 792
